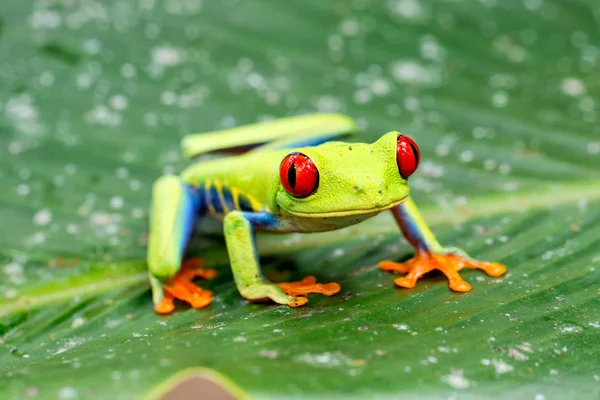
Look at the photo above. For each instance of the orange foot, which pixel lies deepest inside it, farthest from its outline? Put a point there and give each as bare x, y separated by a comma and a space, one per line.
448, 263
181, 287
307, 286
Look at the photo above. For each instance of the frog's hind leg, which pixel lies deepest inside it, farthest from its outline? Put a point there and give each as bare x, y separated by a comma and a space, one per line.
430, 255
175, 210
283, 133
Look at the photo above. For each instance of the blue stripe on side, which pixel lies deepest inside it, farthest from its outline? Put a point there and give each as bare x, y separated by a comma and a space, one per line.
310, 142
228, 198
212, 198
189, 215
262, 220
244, 202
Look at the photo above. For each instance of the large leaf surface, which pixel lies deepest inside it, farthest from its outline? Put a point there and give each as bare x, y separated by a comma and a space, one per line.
500, 95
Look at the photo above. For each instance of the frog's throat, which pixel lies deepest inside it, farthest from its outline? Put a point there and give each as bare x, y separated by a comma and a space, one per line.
347, 213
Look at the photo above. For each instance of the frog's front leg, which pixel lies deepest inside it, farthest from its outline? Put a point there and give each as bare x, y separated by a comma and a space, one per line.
175, 209
430, 255
239, 228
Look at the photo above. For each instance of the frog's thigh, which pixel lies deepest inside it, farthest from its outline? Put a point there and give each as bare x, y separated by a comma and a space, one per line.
239, 228
175, 209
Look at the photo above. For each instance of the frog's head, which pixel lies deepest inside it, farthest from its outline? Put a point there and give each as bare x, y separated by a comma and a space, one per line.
340, 179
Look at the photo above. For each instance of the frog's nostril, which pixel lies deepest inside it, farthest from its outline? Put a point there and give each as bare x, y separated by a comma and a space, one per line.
382, 187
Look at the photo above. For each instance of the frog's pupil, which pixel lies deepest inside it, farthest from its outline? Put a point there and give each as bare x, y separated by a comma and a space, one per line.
292, 176
415, 153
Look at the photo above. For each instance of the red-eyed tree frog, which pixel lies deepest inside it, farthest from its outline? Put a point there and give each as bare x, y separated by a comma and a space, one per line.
291, 177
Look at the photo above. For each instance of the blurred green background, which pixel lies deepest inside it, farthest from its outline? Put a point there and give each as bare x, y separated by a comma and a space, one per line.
500, 95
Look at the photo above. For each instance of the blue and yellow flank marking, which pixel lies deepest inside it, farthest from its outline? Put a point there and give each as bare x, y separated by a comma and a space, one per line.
221, 199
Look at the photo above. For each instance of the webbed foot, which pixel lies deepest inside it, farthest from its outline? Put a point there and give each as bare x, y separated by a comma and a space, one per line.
449, 263
308, 286
181, 287
289, 293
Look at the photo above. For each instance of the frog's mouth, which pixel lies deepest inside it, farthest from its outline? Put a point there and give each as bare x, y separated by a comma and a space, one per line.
346, 213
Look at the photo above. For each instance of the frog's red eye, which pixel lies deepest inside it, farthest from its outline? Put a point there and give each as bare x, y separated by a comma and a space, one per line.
298, 175
407, 156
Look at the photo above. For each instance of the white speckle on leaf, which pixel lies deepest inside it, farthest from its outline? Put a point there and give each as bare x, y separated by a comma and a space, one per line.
533, 5
430, 48
240, 339
573, 86
335, 42
457, 380
500, 99
380, 87
504, 169
401, 327
77, 322
118, 102
68, 344
328, 103
409, 9
432, 170
516, 354
593, 148
413, 73
116, 375
166, 56
466, 156
526, 347
47, 78
502, 367
21, 111
67, 393
84, 81
137, 213
42, 217
92, 46
168, 97
570, 328
13, 269
350, 27
338, 252
128, 71
45, 19
362, 96
23, 189
595, 324
116, 202
270, 354
327, 359
102, 115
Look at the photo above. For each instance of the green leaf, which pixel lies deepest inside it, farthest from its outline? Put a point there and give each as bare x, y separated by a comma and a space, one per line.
499, 95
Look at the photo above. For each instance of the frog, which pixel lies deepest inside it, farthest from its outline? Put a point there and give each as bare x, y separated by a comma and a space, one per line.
293, 174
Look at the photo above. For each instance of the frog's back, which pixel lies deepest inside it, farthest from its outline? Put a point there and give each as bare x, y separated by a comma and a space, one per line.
245, 183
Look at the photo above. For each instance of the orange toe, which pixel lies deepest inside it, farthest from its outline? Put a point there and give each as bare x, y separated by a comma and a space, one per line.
192, 268
201, 299
448, 263
166, 306
298, 302
182, 287
307, 286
